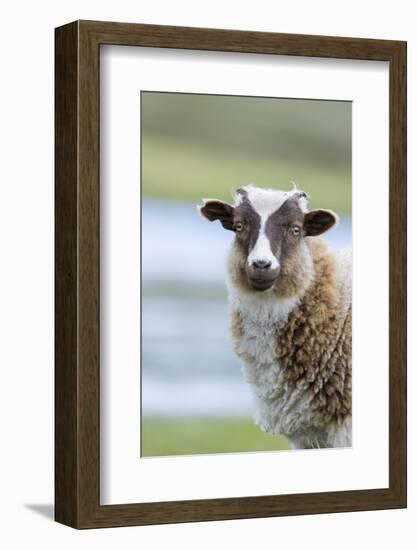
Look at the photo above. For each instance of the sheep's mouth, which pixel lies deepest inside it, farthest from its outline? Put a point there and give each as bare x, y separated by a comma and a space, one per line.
261, 283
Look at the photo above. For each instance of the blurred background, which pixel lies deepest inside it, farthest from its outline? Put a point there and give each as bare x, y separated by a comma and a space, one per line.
194, 397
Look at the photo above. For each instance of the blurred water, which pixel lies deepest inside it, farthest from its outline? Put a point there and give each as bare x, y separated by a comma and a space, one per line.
188, 366
188, 363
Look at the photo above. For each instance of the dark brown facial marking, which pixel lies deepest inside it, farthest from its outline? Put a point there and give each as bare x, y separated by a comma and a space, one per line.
281, 224
284, 229
250, 221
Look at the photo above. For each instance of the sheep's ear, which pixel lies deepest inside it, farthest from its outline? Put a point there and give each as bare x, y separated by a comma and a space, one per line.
317, 222
217, 210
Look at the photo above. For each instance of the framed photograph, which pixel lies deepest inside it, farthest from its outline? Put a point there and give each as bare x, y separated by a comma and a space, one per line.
230, 274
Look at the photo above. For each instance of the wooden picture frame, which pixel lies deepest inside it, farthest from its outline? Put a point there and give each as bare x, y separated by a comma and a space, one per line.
77, 370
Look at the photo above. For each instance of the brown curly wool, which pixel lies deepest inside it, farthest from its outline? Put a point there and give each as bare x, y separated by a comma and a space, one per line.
314, 346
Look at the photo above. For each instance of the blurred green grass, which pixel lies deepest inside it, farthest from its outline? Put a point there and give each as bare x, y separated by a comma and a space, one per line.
197, 145
172, 169
188, 436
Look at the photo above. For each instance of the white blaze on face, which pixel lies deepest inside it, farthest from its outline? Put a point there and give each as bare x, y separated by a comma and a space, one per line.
265, 202
262, 252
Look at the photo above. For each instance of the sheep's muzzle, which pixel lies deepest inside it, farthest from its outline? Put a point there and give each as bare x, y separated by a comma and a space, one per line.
261, 279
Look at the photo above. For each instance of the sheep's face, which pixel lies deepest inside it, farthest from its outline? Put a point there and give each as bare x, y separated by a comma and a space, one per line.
270, 228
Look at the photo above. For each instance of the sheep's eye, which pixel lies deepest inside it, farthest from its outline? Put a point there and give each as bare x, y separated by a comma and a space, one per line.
296, 231
238, 226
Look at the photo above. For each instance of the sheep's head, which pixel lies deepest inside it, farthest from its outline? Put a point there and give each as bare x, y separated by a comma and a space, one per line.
271, 227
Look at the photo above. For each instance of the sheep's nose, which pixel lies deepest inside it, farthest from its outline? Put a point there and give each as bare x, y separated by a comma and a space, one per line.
261, 264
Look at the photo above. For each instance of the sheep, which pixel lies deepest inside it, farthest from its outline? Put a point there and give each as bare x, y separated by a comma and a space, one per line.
290, 314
